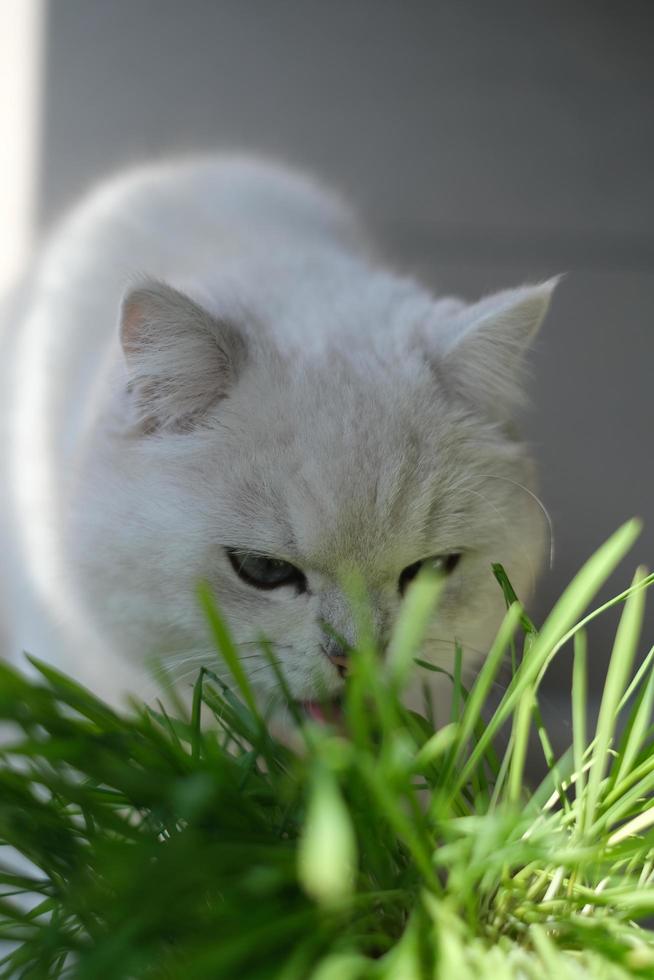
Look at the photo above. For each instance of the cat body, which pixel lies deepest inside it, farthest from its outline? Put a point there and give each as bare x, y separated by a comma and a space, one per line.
211, 377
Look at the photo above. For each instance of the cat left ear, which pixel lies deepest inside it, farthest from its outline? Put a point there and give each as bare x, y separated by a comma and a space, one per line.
180, 359
487, 342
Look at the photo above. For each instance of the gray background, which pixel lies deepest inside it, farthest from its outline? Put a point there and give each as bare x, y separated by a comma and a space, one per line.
488, 144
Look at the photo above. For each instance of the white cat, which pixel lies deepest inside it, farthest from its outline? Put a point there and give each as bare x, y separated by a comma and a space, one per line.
210, 377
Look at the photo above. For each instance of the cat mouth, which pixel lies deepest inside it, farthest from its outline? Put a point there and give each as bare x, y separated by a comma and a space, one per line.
328, 709
326, 712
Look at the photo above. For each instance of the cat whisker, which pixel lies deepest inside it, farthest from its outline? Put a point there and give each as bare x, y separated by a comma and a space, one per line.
537, 500
180, 666
176, 668
202, 658
163, 671
500, 685
191, 672
171, 663
451, 642
504, 520
263, 641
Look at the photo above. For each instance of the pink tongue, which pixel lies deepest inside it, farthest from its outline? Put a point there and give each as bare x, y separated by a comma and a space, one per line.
323, 711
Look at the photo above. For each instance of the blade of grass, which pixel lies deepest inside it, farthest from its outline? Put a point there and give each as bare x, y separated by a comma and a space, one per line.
196, 715
579, 715
408, 634
576, 597
457, 692
226, 647
637, 679
481, 688
624, 650
637, 728
520, 737
510, 597
327, 852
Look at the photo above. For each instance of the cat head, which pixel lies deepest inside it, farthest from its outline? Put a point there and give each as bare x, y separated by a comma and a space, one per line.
272, 457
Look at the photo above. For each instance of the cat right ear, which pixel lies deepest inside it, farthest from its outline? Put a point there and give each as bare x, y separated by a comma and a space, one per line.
180, 359
483, 353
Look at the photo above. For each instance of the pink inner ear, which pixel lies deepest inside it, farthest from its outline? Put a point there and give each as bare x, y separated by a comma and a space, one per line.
180, 360
131, 324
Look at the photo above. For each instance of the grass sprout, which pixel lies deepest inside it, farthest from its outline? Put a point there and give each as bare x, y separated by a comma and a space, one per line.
153, 843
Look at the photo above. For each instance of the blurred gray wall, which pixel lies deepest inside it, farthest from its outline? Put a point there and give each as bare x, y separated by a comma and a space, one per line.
489, 143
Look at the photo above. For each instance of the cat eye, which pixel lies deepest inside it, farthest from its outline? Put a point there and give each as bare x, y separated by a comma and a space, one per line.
264, 572
442, 564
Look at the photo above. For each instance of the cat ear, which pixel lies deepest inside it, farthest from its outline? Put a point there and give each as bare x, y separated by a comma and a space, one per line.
180, 359
486, 344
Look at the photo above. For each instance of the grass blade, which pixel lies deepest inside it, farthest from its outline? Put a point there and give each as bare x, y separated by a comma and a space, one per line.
622, 657
579, 723
557, 628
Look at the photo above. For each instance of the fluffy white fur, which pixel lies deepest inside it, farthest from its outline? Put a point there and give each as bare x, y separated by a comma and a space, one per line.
207, 356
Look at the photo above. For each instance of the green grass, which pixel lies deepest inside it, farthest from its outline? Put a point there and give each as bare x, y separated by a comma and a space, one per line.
200, 846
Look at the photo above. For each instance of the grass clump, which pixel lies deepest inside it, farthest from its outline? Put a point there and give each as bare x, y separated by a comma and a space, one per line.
145, 845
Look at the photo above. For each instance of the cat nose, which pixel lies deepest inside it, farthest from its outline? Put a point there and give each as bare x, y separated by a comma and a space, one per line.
336, 655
